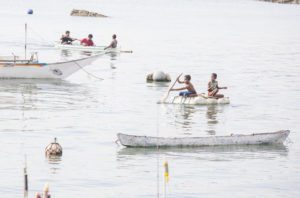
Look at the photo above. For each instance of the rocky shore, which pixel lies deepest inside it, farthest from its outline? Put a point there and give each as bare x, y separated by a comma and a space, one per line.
75, 12
284, 1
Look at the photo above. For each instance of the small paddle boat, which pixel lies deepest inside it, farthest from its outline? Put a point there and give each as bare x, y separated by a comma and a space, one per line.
277, 137
87, 48
200, 99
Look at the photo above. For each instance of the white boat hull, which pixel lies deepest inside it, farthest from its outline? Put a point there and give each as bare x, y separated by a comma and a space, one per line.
255, 138
199, 100
59, 70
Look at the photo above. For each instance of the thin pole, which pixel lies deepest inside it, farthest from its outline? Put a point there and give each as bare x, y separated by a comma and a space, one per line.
165, 188
157, 148
166, 177
25, 179
25, 40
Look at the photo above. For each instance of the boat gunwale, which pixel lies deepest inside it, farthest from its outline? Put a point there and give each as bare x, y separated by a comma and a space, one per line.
228, 136
49, 64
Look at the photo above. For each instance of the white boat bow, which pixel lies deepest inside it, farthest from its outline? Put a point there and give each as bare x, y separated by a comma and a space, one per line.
56, 70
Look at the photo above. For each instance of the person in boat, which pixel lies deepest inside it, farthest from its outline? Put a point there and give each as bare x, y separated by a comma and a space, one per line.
87, 41
113, 43
66, 39
189, 87
213, 87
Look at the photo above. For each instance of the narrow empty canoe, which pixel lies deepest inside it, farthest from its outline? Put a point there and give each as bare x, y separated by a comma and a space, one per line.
255, 138
199, 100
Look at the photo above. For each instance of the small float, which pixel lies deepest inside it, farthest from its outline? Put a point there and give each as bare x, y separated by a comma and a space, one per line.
200, 99
277, 137
158, 76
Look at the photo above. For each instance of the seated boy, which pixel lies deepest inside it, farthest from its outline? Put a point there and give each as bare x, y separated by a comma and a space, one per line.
189, 86
213, 87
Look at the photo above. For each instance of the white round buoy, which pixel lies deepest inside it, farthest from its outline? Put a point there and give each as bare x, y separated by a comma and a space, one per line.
159, 76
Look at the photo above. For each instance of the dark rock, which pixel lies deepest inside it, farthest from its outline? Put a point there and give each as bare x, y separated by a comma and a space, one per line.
75, 12
284, 1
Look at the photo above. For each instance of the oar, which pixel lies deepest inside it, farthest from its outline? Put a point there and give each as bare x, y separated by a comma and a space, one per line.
167, 95
126, 51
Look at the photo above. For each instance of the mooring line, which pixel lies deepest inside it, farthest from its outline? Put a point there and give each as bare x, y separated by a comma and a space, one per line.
157, 147
87, 71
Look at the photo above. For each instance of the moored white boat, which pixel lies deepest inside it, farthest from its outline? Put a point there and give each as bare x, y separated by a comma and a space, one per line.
56, 70
256, 138
199, 100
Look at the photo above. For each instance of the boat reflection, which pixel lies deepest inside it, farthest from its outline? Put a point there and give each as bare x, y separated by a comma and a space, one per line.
66, 53
211, 116
188, 116
28, 94
185, 116
229, 152
113, 59
54, 163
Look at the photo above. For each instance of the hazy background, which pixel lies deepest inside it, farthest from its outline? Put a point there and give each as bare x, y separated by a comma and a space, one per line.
253, 46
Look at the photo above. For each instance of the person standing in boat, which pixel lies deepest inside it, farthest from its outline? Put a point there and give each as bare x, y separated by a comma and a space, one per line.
213, 87
114, 42
189, 87
87, 41
66, 39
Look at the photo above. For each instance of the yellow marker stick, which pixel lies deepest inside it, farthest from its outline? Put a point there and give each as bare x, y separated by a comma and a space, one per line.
166, 170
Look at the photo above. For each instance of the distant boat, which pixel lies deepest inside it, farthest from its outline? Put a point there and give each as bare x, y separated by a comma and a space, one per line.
256, 138
86, 48
12, 67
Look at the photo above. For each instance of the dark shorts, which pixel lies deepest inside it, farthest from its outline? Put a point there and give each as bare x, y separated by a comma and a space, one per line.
187, 93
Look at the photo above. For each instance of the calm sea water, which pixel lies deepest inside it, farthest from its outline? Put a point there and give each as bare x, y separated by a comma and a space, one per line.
253, 46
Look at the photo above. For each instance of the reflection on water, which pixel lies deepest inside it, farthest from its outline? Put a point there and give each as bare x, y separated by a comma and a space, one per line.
156, 84
189, 116
211, 115
66, 53
42, 87
54, 162
184, 117
230, 152
86, 53
113, 59
113, 55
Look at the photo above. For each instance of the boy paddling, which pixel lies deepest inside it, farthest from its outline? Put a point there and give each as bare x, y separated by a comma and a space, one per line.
213, 87
189, 87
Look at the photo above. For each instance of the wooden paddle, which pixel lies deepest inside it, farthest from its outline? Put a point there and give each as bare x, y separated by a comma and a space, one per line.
167, 95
